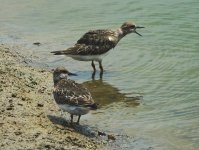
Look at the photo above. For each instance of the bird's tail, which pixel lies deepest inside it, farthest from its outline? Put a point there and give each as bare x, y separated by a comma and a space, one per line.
93, 106
61, 52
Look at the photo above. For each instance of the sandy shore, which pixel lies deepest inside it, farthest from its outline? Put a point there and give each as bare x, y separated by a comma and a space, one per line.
29, 118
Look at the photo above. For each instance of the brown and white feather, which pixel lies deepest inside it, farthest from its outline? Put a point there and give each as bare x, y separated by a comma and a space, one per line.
94, 42
69, 92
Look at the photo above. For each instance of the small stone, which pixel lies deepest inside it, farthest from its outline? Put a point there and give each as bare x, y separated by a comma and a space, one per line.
40, 105
11, 105
18, 133
101, 133
37, 134
40, 115
42, 70
37, 43
111, 137
11, 115
23, 98
9, 108
42, 90
34, 82
1, 124
14, 94
10, 100
20, 104
47, 146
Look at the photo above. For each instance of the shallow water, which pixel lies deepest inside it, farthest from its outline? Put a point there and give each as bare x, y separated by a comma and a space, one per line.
160, 69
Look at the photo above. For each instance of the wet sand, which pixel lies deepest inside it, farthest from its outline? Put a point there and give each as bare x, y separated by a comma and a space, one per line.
29, 118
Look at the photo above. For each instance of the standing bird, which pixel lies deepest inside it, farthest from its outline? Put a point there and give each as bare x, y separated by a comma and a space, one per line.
71, 96
96, 43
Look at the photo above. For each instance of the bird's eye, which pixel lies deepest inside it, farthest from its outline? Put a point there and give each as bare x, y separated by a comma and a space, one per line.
132, 26
64, 71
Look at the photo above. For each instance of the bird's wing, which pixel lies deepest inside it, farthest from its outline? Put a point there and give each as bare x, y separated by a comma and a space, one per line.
83, 49
97, 37
94, 42
68, 91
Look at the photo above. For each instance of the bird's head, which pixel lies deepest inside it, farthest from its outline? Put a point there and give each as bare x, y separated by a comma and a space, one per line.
129, 27
61, 73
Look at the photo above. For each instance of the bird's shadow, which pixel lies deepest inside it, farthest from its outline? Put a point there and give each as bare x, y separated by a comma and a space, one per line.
105, 94
82, 129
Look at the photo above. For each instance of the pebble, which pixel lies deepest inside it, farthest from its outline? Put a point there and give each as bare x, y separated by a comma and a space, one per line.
14, 94
101, 133
18, 133
40, 105
20, 104
37, 43
10, 100
9, 108
111, 137
47, 146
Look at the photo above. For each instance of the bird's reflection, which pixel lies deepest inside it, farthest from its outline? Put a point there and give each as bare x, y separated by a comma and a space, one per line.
100, 75
105, 94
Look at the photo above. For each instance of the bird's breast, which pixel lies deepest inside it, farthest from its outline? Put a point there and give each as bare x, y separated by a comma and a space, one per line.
75, 110
88, 57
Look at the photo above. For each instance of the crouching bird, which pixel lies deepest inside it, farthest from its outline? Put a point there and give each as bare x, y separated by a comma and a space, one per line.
70, 96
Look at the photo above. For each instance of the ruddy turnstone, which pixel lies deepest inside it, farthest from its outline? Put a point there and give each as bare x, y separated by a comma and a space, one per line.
71, 96
94, 44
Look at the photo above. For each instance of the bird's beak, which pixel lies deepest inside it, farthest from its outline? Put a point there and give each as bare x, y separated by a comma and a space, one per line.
138, 27
72, 74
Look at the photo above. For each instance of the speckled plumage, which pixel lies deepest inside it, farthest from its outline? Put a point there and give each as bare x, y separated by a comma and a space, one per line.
67, 91
70, 96
95, 43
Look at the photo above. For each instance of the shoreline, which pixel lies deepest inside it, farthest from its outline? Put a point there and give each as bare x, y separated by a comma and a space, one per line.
30, 118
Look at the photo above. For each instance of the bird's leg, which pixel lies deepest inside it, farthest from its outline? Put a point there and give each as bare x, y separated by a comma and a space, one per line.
93, 65
78, 119
71, 121
101, 74
93, 75
94, 70
101, 68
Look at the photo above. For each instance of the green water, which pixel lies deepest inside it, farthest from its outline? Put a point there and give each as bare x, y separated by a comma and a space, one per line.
162, 67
